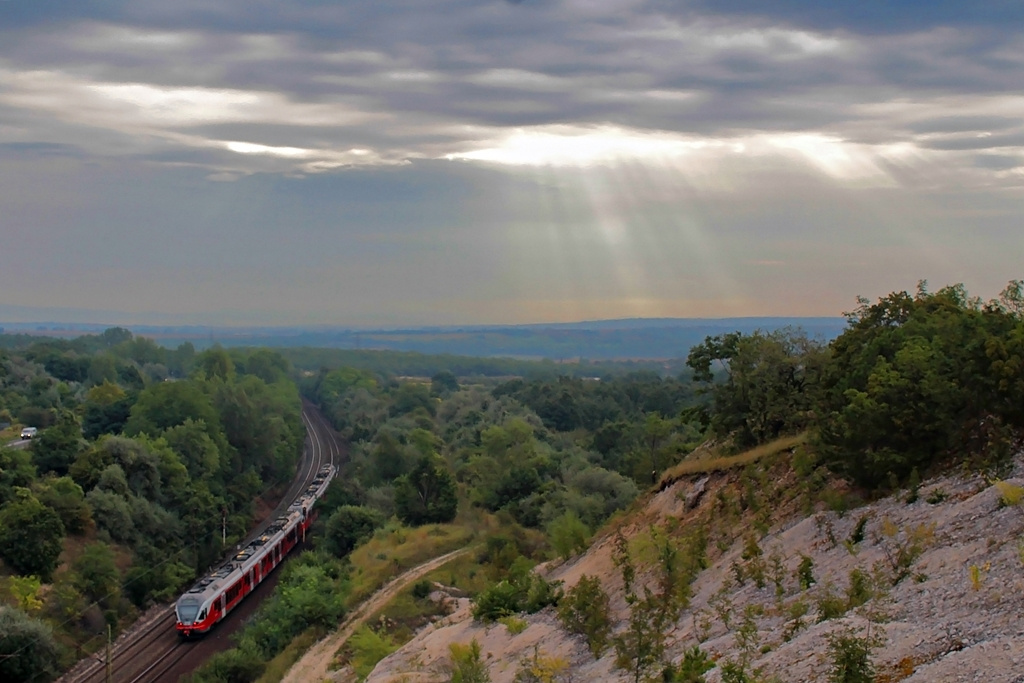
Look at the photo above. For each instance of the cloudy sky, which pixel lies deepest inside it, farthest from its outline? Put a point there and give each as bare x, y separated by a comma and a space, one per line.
486, 161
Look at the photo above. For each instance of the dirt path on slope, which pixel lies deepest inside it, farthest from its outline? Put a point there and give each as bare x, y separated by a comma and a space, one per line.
313, 666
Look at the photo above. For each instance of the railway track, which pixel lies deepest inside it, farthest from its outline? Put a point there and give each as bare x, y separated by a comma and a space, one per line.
151, 651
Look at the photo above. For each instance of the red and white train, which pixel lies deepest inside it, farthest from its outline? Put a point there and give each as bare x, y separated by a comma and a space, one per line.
217, 593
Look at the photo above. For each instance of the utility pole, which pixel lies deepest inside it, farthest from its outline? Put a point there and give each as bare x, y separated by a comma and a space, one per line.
109, 663
223, 527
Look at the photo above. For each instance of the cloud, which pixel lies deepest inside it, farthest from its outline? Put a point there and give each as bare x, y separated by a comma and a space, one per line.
629, 151
415, 82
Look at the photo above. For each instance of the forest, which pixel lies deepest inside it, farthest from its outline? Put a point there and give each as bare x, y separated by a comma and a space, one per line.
148, 463
144, 447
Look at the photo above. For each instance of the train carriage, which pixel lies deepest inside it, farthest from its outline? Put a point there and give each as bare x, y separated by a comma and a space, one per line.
220, 591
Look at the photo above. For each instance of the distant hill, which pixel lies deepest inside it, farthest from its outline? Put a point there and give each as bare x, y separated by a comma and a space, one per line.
634, 338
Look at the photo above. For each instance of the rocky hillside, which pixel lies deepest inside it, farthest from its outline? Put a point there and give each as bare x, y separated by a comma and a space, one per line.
933, 579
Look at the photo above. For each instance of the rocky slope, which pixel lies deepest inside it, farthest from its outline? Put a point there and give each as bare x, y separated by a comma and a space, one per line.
955, 616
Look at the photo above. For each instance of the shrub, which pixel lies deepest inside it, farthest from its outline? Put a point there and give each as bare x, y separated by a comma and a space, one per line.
540, 669
515, 625
851, 658
796, 613
466, 665
568, 534
242, 663
859, 591
368, 647
421, 589
500, 600
305, 597
28, 650
691, 669
902, 547
585, 611
857, 535
735, 672
830, 606
521, 591
348, 526
805, 572
1010, 495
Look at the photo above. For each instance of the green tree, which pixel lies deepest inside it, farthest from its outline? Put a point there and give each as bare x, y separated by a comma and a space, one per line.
96, 576
640, 647
915, 379
409, 397
25, 591
31, 536
216, 363
113, 514
270, 366
771, 382
169, 404
585, 611
349, 525
114, 336
306, 598
67, 498
427, 494
54, 449
198, 451
568, 534
388, 458
16, 470
444, 383
102, 370
717, 349
105, 418
656, 430
28, 651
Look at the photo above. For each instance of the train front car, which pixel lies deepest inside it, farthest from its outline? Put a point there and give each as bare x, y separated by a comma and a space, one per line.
195, 617
217, 593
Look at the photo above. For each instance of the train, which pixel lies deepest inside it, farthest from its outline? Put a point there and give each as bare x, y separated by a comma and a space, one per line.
217, 593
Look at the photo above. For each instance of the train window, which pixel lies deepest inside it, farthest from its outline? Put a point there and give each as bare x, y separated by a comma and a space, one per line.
202, 615
187, 612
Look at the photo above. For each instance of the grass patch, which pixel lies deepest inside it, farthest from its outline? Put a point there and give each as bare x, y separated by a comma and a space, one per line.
365, 648
279, 665
515, 625
464, 573
405, 615
715, 463
394, 549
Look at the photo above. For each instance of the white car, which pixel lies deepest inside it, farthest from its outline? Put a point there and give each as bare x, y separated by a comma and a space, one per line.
28, 432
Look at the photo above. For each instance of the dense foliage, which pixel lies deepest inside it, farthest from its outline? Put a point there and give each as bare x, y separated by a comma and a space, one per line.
148, 455
561, 454
913, 381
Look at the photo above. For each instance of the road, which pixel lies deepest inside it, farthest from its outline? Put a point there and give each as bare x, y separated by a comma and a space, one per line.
150, 651
315, 663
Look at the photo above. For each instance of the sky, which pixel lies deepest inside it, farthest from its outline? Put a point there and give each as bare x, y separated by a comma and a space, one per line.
401, 162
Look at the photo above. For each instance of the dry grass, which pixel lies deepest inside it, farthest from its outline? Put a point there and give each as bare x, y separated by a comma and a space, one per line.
394, 549
714, 463
279, 665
